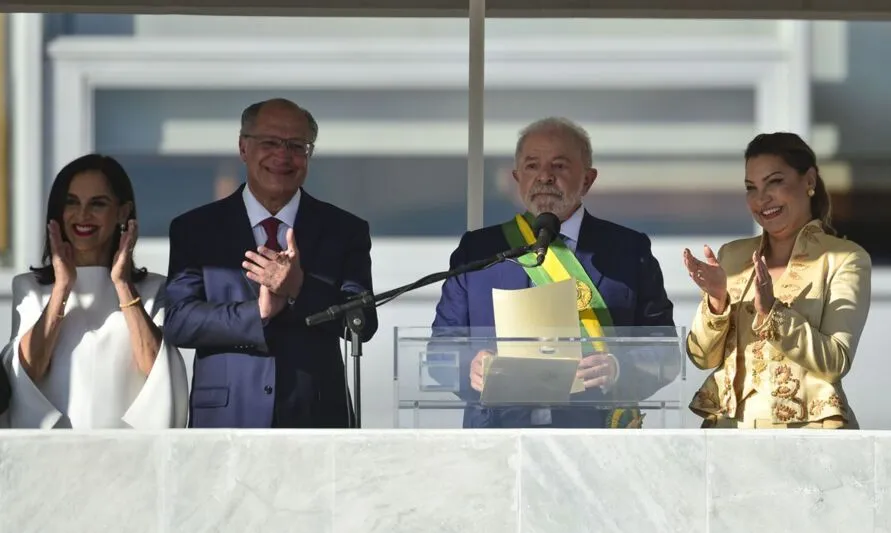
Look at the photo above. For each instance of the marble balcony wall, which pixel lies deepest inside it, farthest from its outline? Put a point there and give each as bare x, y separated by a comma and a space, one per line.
446, 481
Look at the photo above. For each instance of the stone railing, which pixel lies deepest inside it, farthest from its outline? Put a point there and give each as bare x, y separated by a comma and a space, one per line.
445, 481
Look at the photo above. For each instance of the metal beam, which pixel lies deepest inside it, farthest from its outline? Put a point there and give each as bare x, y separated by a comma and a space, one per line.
475, 118
748, 9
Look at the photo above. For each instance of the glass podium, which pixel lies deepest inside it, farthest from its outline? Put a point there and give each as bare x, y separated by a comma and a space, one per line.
641, 371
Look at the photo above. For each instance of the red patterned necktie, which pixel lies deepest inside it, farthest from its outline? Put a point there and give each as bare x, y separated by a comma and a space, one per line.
270, 226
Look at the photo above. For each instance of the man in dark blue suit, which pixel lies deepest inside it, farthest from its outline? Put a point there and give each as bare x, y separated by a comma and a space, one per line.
621, 278
247, 270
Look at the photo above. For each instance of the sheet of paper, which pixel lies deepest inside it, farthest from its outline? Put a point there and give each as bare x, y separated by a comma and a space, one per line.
548, 311
530, 381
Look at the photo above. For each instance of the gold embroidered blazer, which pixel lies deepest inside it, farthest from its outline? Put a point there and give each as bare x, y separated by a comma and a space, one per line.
794, 359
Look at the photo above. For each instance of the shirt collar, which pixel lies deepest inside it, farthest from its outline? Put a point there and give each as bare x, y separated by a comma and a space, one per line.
571, 227
257, 213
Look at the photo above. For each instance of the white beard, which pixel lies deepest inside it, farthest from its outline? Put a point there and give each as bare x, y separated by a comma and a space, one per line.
562, 207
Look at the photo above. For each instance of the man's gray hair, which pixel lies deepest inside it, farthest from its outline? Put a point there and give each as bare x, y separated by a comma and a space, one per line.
251, 112
560, 125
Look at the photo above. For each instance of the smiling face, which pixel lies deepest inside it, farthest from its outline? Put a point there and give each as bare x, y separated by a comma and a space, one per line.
777, 195
275, 151
551, 174
92, 214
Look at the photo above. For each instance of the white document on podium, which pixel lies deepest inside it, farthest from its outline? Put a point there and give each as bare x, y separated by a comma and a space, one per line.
545, 312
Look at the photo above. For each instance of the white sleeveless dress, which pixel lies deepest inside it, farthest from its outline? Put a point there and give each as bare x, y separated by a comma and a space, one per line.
92, 381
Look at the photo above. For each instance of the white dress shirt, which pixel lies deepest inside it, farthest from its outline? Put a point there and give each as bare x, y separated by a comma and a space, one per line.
257, 213
570, 228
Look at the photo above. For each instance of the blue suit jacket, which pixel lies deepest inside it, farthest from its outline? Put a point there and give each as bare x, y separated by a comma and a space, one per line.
248, 375
620, 263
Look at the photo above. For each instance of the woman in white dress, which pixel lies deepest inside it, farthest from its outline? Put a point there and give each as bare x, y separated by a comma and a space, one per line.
87, 350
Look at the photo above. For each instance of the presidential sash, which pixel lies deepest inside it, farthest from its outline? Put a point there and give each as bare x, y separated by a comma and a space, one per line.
560, 264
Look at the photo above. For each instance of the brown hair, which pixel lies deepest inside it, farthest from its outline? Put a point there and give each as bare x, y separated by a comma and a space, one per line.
797, 154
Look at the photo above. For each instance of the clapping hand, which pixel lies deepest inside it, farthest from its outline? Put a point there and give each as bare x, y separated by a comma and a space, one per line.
709, 276
278, 273
64, 269
764, 298
122, 264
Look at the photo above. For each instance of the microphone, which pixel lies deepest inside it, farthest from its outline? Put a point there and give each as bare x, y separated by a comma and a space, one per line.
546, 228
352, 290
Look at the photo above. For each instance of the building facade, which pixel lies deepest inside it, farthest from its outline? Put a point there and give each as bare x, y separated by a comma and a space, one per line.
670, 106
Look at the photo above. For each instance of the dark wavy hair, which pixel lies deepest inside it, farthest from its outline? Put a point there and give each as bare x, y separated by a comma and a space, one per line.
797, 154
121, 187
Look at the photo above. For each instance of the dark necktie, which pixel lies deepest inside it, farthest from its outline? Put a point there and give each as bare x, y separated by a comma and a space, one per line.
270, 226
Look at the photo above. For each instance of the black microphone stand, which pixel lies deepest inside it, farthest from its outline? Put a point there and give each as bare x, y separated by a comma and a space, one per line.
355, 323
352, 313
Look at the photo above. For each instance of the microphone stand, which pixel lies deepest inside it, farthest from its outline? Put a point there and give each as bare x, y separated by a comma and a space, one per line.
351, 312
355, 323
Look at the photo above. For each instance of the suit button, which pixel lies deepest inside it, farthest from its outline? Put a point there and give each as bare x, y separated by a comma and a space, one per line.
267, 389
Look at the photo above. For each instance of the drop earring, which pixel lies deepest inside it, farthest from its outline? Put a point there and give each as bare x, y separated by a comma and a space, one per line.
810, 192
123, 227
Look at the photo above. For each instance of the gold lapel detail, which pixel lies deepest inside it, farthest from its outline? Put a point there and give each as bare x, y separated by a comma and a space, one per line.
806, 252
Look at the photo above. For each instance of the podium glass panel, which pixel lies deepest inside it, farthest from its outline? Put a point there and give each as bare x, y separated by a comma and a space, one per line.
642, 371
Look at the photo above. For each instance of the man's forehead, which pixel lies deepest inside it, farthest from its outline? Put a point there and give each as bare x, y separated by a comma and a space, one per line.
550, 144
542, 153
282, 121
534, 155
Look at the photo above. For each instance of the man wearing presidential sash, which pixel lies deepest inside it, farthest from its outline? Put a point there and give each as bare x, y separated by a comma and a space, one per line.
618, 281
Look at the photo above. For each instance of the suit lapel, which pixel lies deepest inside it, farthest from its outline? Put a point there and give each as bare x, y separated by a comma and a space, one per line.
588, 248
797, 278
307, 227
805, 264
239, 235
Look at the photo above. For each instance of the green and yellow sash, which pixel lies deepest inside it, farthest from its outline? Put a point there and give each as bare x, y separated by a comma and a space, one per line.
561, 264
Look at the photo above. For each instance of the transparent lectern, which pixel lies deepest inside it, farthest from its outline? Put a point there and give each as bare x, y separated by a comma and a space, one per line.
538, 377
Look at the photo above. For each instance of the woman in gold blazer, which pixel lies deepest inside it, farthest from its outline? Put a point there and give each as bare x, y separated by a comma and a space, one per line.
782, 313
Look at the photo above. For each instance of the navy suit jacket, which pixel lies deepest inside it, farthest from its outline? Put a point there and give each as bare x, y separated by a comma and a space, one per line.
620, 263
283, 374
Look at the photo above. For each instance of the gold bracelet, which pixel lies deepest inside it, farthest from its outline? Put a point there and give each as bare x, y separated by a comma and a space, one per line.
62, 312
131, 303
